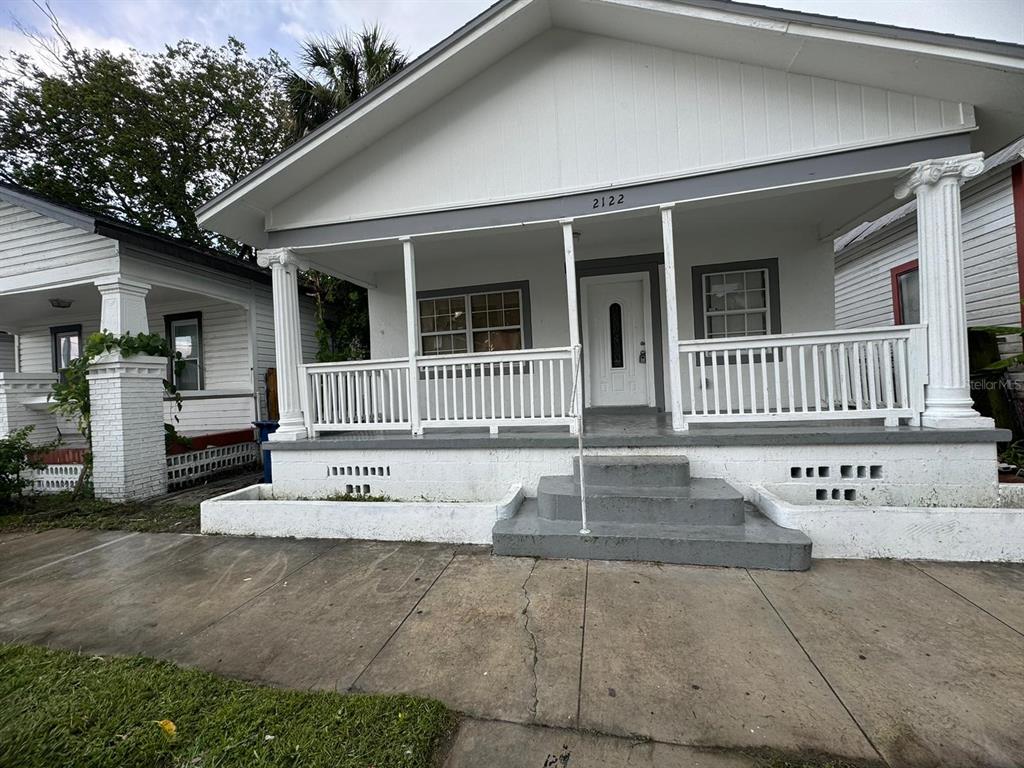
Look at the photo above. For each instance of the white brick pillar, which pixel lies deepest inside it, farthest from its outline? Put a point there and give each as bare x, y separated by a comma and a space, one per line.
936, 183
284, 266
126, 397
123, 305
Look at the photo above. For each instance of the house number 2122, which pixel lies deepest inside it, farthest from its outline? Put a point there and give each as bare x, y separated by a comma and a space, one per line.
607, 201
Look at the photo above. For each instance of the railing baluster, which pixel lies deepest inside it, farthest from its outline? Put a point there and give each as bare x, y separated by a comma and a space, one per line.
493, 412
703, 385
714, 379
778, 384
533, 404
830, 378
445, 369
887, 373
789, 378
727, 371
563, 407
844, 379
803, 378
858, 389
902, 366
764, 380
739, 381
869, 350
815, 367
522, 399
752, 377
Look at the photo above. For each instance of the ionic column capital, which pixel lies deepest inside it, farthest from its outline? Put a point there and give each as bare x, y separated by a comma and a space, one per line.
928, 173
284, 257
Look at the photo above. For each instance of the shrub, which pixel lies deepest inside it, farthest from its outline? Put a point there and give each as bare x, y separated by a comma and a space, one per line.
17, 454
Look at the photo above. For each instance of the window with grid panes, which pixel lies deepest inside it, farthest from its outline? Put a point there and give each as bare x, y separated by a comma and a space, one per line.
471, 322
736, 303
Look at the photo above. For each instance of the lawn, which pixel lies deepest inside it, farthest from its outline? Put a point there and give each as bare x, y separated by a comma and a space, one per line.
60, 510
63, 708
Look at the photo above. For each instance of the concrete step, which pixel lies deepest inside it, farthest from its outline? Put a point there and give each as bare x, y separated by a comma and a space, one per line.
756, 543
702, 502
643, 471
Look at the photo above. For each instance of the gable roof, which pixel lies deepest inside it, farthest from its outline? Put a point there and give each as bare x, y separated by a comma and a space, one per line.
108, 226
982, 72
1011, 154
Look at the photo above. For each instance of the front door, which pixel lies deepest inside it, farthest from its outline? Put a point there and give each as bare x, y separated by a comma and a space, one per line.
617, 345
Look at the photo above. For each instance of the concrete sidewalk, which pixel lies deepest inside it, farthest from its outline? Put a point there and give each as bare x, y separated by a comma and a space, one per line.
910, 664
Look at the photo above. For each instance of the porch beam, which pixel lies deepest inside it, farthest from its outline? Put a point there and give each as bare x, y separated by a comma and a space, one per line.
936, 184
284, 270
672, 319
412, 331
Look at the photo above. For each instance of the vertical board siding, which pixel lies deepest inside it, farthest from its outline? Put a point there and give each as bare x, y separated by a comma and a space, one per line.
31, 242
570, 111
863, 289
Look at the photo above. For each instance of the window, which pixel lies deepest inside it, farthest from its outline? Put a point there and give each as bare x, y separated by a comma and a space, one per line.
615, 334
906, 294
736, 299
67, 346
479, 319
185, 336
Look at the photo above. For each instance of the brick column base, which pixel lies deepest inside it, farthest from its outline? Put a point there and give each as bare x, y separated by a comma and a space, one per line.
127, 400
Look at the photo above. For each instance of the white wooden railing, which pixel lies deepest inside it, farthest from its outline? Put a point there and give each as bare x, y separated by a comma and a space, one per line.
857, 374
532, 386
357, 395
491, 389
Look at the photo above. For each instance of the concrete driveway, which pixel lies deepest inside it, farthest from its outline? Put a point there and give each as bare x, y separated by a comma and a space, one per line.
908, 664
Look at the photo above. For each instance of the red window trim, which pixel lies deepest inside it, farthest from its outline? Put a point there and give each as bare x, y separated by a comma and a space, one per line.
894, 276
1017, 174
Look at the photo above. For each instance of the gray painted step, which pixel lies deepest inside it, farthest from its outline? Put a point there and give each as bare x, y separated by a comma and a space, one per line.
702, 502
757, 543
646, 471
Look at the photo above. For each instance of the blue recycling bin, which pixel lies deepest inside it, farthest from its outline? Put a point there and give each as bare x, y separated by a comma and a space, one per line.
266, 428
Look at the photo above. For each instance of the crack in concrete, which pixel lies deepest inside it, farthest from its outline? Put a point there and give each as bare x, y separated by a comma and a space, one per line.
533, 640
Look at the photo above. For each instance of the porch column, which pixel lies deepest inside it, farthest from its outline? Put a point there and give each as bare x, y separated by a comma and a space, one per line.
284, 266
412, 332
936, 183
123, 305
572, 305
672, 319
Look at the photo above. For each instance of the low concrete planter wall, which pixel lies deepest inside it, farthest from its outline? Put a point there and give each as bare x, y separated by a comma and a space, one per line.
253, 511
842, 530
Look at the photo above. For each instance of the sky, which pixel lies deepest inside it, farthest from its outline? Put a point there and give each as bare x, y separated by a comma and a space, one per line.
147, 25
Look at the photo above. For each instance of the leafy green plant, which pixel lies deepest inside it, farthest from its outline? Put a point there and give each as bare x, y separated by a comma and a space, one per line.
17, 454
70, 396
1013, 456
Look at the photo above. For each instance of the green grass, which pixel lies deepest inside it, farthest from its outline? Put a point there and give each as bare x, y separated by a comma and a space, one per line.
60, 510
62, 708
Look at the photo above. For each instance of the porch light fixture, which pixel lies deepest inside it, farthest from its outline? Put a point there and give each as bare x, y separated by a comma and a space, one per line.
60, 303
576, 235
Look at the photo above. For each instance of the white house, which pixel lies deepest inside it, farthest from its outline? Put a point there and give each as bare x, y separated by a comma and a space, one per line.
644, 191
66, 273
877, 264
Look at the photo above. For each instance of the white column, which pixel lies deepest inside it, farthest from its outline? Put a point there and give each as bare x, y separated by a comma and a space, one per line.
572, 305
123, 305
126, 398
412, 328
284, 266
936, 183
675, 379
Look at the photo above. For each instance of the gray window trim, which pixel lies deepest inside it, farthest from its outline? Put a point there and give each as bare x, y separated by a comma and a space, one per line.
774, 290
523, 286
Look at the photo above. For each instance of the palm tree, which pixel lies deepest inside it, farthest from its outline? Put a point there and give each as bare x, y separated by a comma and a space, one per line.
339, 70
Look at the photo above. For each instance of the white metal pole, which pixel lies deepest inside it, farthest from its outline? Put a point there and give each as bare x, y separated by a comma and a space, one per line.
672, 319
577, 357
412, 330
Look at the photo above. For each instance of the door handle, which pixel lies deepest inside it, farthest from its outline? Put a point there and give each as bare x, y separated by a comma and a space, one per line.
643, 352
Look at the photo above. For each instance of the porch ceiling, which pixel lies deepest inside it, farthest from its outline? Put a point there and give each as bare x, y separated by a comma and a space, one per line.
819, 210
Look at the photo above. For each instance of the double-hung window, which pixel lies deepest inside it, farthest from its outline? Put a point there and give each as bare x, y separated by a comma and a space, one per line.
483, 319
67, 346
906, 294
185, 337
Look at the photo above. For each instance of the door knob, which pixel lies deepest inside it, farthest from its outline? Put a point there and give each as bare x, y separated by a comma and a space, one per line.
643, 352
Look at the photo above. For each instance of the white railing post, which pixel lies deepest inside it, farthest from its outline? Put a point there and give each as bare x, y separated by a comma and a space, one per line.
412, 328
572, 306
917, 374
672, 319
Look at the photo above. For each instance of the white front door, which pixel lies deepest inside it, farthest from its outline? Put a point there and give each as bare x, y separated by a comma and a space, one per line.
617, 345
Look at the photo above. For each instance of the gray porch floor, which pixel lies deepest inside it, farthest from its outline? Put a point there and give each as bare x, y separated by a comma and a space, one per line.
904, 664
643, 428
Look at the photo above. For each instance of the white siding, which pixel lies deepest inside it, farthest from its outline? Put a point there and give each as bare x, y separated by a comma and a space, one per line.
37, 250
572, 111
863, 288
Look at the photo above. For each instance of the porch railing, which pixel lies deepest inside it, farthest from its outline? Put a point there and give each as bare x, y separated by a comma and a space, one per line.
857, 374
492, 389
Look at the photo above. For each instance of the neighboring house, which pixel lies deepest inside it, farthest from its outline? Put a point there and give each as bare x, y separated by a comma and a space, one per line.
647, 192
57, 263
877, 261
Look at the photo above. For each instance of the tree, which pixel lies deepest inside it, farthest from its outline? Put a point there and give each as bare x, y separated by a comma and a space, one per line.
339, 70
145, 138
